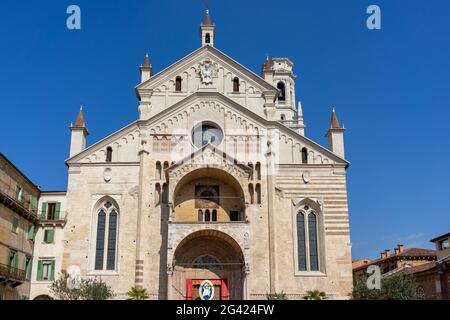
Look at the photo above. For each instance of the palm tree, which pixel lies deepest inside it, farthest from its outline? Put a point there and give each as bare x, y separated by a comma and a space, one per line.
137, 294
315, 295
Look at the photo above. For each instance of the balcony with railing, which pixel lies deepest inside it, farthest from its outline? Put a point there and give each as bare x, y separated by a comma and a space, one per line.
22, 203
11, 276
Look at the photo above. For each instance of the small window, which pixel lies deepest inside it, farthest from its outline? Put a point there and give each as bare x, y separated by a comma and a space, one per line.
234, 215
282, 90
207, 38
214, 215
444, 245
258, 170
15, 224
236, 84
258, 193
304, 156
19, 193
109, 154
49, 235
13, 259
158, 170
178, 84
207, 216
283, 117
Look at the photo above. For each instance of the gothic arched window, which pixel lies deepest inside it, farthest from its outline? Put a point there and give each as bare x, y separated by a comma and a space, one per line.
178, 84
106, 237
236, 84
307, 240
109, 154
281, 87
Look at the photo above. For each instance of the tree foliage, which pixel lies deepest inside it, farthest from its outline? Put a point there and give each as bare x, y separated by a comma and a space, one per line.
315, 295
137, 294
394, 287
277, 296
88, 289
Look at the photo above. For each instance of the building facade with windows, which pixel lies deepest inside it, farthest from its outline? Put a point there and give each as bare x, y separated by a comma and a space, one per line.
18, 224
215, 181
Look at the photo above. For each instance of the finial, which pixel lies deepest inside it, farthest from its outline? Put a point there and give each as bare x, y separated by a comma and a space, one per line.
81, 107
334, 110
207, 11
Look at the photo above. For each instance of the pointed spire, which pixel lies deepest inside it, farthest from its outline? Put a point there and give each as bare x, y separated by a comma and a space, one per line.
146, 61
207, 20
268, 63
80, 119
334, 120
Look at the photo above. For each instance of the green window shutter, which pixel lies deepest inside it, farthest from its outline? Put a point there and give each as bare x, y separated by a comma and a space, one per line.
31, 231
16, 260
52, 274
40, 272
33, 203
51, 235
44, 211
57, 210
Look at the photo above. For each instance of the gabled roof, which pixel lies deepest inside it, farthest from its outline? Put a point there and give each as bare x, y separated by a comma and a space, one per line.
229, 102
219, 54
215, 150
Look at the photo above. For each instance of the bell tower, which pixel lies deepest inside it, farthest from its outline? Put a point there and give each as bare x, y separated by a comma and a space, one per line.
279, 73
207, 31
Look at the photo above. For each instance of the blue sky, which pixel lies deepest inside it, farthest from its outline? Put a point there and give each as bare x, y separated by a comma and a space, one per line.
391, 88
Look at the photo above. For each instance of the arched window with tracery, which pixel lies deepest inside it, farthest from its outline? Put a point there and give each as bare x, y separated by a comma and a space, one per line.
307, 239
107, 218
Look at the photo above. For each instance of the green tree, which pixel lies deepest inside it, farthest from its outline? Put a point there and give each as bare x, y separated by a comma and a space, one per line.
394, 287
315, 295
88, 289
137, 294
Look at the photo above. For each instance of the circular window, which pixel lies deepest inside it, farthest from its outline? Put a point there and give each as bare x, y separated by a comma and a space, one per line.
206, 133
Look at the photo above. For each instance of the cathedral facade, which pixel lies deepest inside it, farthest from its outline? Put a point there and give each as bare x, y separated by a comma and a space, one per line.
216, 181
